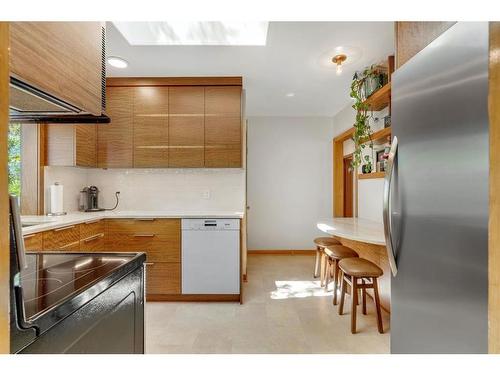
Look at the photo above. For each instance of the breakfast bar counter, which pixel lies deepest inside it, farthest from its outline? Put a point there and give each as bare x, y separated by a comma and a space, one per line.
367, 238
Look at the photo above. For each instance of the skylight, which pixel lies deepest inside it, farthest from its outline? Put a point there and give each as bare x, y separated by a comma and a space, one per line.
211, 33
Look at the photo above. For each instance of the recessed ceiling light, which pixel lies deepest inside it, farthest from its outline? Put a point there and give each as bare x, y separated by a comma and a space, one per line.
290, 95
117, 62
177, 33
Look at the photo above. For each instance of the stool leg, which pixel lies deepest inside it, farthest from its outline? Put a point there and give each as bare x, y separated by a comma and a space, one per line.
327, 273
335, 280
343, 285
377, 306
363, 293
322, 269
317, 262
354, 302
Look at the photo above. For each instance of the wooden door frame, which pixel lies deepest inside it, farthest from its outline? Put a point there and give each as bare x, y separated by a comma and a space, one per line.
4, 201
338, 172
349, 156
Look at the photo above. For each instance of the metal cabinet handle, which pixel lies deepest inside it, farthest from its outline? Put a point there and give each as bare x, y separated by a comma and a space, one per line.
92, 221
64, 228
386, 211
69, 245
148, 263
29, 236
144, 235
145, 219
100, 235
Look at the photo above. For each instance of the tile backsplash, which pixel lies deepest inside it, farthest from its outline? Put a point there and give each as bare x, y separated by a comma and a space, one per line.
154, 189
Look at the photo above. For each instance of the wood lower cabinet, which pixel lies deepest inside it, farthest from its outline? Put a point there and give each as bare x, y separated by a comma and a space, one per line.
187, 127
33, 242
92, 236
71, 145
65, 238
151, 126
115, 140
63, 59
160, 239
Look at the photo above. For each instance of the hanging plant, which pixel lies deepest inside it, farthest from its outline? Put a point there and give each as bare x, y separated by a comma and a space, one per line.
361, 87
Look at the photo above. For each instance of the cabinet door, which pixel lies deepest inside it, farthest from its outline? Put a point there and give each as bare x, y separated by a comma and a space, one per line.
33, 242
186, 127
86, 145
114, 140
63, 59
150, 127
163, 278
223, 126
65, 238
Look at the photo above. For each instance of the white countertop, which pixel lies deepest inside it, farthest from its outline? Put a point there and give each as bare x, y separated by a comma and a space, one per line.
356, 229
52, 222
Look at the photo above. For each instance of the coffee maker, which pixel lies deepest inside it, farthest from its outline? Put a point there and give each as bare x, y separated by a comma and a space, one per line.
89, 201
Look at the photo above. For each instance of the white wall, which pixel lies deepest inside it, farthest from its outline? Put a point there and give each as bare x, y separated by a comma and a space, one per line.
155, 189
289, 168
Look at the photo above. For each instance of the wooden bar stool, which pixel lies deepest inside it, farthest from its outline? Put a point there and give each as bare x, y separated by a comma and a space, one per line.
334, 254
361, 274
321, 243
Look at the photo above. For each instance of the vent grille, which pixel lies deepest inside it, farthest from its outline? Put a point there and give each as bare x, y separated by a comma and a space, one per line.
103, 70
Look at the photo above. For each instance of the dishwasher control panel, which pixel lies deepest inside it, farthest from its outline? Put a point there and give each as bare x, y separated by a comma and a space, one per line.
210, 224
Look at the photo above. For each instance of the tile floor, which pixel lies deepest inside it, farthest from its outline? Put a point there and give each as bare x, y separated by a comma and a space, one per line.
284, 311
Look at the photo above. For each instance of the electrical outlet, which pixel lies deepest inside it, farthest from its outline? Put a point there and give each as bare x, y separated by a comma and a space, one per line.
205, 194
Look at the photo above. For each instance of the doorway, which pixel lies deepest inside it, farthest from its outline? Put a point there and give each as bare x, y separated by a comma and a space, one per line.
348, 186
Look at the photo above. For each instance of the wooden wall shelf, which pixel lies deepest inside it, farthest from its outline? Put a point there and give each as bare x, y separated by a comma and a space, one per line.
366, 176
379, 134
380, 98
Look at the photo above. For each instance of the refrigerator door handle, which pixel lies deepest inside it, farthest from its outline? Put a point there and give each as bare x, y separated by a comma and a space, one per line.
386, 211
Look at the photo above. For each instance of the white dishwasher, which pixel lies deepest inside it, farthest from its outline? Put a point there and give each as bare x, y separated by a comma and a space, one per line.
210, 256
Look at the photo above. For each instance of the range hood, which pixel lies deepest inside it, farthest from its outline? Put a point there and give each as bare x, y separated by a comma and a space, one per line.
29, 104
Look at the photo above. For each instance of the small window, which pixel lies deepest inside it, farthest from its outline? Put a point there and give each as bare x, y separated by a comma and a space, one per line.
14, 161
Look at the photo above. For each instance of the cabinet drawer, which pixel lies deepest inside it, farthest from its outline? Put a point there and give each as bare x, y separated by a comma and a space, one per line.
158, 247
91, 228
93, 243
33, 242
61, 238
170, 227
163, 278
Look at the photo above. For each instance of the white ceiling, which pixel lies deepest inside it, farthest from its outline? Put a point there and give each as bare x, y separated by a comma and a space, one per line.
293, 61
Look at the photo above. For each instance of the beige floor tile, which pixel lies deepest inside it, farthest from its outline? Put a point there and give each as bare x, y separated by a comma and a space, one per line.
284, 311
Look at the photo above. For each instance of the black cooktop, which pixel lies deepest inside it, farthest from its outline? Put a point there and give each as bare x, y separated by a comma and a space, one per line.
53, 278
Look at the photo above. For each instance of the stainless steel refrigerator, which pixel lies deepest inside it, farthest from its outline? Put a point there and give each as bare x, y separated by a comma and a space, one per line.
436, 196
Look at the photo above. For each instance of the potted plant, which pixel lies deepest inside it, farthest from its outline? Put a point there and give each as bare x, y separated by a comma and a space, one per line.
368, 166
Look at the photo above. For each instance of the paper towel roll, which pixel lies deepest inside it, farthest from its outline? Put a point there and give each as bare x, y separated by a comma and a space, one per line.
56, 198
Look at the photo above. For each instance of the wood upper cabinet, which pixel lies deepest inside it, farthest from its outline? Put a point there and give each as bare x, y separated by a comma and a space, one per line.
63, 59
223, 126
115, 140
71, 145
186, 127
151, 126
412, 37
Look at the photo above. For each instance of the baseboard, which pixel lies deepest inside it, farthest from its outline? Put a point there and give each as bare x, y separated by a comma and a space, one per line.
282, 252
193, 298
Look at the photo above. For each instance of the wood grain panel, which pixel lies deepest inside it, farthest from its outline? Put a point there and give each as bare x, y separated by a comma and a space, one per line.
338, 178
163, 278
93, 243
378, 255
170, 227
186, 127
4, 200
223, 101
60, 145
31, 169
174, 81
33, 242
412, 37
61, 238
62, 58
115, 140
223, 157
86, 145
158, 247
494, 194
91, 228
150, 127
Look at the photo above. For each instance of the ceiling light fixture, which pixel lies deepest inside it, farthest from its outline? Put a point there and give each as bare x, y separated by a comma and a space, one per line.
290, 95
339, 60
117, 62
